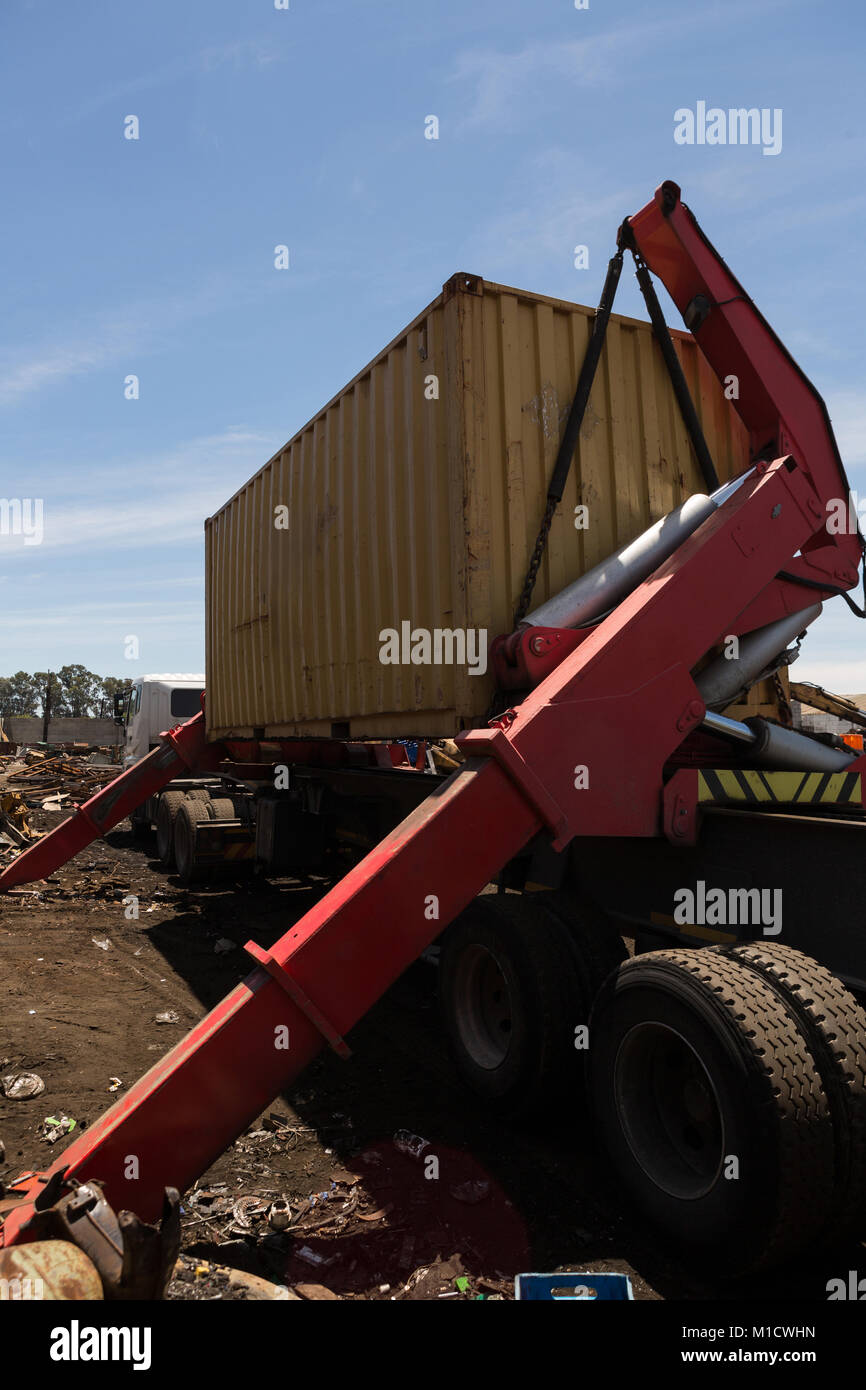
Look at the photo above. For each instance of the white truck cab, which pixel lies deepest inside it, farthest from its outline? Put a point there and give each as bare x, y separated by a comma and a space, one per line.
151, 705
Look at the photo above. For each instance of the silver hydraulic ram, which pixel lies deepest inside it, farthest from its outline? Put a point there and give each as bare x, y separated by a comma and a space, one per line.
608, 583
771, 746
726, 678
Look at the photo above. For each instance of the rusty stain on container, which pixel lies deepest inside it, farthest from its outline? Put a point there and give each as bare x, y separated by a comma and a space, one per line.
408, 506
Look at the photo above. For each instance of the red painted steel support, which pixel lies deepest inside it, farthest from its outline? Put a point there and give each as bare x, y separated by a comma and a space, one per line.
185, 749
343, 954
583, 755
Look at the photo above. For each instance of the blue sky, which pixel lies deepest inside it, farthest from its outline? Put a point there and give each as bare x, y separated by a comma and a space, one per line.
306, 127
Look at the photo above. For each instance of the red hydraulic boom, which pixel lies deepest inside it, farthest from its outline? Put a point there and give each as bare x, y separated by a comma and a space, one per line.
559, 763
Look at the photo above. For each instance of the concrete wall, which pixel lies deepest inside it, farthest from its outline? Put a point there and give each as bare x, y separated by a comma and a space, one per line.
815, 721
103, 732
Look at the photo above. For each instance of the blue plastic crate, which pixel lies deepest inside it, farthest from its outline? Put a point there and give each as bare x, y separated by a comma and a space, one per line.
603, 1286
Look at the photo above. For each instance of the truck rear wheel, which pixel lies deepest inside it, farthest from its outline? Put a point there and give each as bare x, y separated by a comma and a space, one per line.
188, 817
711, 1106
515, 987
834, 1025
169, 804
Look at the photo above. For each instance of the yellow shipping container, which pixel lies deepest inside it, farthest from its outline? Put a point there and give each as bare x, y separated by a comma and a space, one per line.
414, 497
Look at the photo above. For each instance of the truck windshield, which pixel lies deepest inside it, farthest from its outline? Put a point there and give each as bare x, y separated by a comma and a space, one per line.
185, 703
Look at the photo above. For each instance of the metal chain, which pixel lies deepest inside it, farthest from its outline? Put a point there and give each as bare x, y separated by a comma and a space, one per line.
786, 714
535, 562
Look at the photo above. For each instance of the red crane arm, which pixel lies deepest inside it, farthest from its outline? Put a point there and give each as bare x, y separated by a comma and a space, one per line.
780, 407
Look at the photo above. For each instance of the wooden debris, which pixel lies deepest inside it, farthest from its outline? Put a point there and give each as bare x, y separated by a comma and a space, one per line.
42, 775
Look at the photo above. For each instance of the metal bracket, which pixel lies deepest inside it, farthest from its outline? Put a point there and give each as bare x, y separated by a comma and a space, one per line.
494, 743
297, 996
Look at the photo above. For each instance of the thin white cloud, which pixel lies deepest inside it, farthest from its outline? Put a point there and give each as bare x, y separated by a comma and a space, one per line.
239, 53
104, 617
107, 338
518, 236
840, 675
511, 87
848, 415
175, 491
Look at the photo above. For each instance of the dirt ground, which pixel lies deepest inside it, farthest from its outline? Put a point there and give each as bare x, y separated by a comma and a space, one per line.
363, 1221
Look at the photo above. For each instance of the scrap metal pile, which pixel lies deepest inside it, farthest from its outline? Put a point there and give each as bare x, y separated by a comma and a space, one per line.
46, 780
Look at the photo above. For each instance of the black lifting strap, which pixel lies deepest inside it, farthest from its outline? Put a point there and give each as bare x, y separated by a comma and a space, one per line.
581, 399
572, 429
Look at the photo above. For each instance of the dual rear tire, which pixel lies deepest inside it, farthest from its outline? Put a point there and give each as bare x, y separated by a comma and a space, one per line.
518, 976
177, 815
717, 1103
727, 1085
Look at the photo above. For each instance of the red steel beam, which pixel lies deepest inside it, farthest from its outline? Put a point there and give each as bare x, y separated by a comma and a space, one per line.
184, 749
342, 955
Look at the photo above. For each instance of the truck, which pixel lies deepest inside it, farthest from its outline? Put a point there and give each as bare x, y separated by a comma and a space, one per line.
672, 949
149, 705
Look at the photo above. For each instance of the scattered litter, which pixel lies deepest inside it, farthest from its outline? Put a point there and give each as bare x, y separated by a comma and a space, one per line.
103, 942
168, 1016
384, 1288
243, 1210
13, 819
22, 1085
471, 1192
114, 1083
411, 1144
54, 1128
312, 1257
436, 1280
332, 1218
374, 1215
258, 1288
280, 1215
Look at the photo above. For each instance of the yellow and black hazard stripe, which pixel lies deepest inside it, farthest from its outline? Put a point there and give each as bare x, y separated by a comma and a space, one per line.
781, 788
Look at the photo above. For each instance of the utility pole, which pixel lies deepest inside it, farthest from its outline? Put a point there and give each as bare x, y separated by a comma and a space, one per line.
46, 708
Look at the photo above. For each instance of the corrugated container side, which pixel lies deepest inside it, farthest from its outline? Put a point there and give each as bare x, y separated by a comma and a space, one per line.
415, 496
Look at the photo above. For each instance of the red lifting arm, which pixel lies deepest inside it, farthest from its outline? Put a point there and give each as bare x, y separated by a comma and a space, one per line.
184, 749
779, 406
562, 763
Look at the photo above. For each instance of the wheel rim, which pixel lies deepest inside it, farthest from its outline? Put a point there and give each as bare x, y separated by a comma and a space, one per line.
483, 1007
669, 1111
